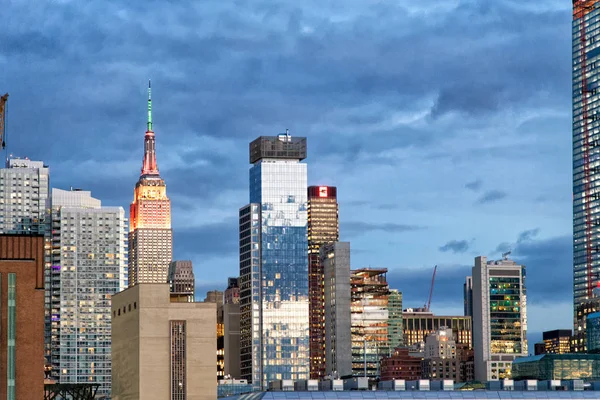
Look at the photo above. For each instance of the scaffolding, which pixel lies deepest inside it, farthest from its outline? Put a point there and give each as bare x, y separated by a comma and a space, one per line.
71, 391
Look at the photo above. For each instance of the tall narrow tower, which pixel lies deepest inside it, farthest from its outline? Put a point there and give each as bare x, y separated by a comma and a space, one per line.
586, 149
150, 234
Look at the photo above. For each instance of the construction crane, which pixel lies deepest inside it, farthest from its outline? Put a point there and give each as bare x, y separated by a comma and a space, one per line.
3, 101
428, 305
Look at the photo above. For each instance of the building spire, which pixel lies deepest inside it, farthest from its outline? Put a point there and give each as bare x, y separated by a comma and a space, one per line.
149, 106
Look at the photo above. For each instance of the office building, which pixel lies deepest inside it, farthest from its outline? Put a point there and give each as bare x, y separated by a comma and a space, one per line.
418, 323
24, 189
232, 293
539, 348
160, 348
335, 259
548, 367
401, 365
181, 280
499, 317
369, 320
593, 333
468, 296
150, 235
582, 310
22, 316
395, 320
323, 227
216, 297
89, 262
586, 186
274, 317
557, 341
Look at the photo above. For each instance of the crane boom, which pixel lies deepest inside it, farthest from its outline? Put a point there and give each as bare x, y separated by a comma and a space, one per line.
3, 100
431, 289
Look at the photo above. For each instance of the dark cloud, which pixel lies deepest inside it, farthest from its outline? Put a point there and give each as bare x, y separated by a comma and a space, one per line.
358, 228
455, 246
491, 196
528, 235
474, 185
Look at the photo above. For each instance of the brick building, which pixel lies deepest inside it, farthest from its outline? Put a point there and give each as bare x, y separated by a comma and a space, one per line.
401, 365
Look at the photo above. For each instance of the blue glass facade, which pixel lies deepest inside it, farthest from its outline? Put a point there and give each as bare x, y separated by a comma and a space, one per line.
593, 332
274, 273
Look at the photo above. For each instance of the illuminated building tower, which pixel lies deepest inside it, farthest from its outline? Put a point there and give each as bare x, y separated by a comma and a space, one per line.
586, 149
417, 323
557, 341
274, 342
181, 281
150, 234
499, 317
89, 261
323, 227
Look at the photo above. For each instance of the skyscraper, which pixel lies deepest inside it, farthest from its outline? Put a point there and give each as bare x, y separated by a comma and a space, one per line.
499, 317
24, 187
586, 155
150, 234
323, 227
274, 341
395, 330
181, 281
88, 266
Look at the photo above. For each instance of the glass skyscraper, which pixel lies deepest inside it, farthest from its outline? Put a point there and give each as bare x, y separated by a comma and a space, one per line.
274, 341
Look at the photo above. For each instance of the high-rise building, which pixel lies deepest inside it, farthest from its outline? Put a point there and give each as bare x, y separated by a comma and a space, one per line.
468, 296
150, 234
323, 227
418, 323
557, 341
216, 297
22, 312
335, 259
499, 317
582, 310
24, 189
89, 261
274, 321
160, 347
181, 280
369, 320
395, 334
586, 139
232, 293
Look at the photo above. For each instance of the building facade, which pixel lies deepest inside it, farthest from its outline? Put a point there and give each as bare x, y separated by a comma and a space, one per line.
216, 297
539, 348
323, 227
274, 317
499, 317
557, 341
21, 317
401, 365
150, 234
547, 367
335, 259
418, 323
582, 310
441, 357
593, 333
160, 347
369, 320
231, 340
181, 280
232, 293
24, 190
586, 155
468, 296
89, 263
395, 330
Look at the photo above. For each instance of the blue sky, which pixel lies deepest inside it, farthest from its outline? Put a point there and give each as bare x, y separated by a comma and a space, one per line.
445, 125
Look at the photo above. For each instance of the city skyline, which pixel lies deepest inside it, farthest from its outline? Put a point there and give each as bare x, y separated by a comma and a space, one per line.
433, 184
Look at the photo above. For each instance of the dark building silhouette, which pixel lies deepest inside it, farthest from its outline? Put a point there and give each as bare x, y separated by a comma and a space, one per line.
181, 280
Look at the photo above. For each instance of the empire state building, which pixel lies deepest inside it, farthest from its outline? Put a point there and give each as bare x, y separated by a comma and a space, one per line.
150, 234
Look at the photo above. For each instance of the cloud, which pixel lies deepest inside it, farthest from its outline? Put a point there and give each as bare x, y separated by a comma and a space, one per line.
474, 185
528, 235
455, 246
357, 228
491, 196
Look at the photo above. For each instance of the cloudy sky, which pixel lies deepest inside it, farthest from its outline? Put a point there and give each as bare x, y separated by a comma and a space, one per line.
445, 125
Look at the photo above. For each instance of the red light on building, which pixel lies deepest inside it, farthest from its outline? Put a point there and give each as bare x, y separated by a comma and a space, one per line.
323, 191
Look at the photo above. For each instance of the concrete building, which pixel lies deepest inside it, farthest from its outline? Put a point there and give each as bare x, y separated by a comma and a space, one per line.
181, 280
418, 323
88, 266
557, 341
468, 296
21, 317
150, 234
323, 227
335, 259
216, 297
499, 317
231, 326
160, 348
369, 320
24, 190
274, 264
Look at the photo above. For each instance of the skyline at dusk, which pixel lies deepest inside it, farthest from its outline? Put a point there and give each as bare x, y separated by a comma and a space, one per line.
439, 152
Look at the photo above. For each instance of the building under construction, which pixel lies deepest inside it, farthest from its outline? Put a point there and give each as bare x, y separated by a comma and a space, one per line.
586, 149
369, 320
